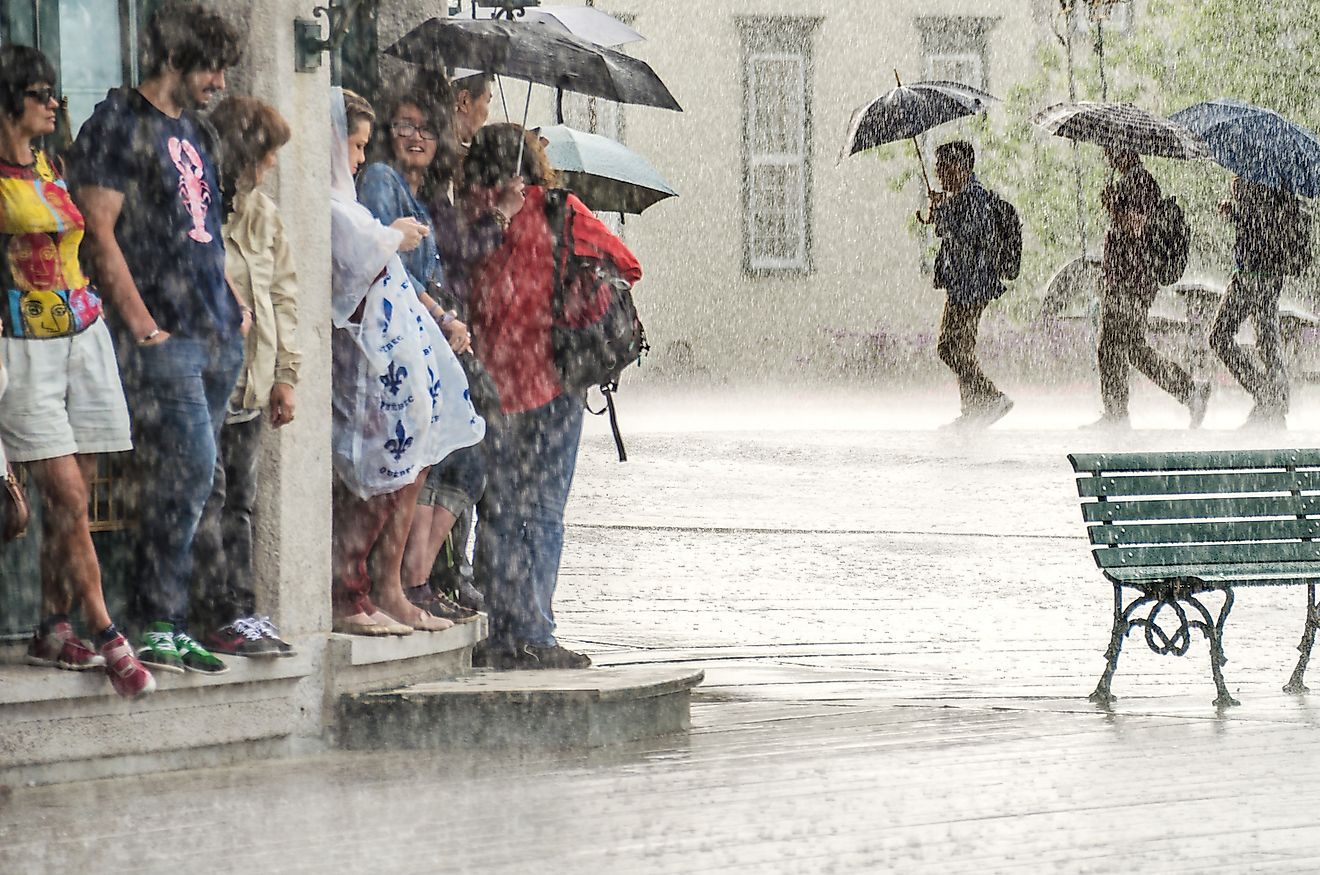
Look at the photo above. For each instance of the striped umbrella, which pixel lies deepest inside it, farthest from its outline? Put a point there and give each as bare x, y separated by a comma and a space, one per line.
1122, 126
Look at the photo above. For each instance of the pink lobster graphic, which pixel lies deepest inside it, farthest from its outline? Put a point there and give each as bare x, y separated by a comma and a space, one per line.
193, 190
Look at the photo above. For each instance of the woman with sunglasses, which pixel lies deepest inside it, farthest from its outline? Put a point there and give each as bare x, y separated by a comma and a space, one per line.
64, 404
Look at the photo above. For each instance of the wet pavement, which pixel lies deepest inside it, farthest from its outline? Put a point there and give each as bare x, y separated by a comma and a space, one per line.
899, 628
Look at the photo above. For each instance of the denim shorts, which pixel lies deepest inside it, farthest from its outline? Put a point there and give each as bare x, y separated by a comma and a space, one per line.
457, 482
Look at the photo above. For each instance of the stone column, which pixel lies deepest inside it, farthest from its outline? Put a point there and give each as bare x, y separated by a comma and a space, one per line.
293, 509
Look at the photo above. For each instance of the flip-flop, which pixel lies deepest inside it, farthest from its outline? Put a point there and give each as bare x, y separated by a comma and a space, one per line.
391, 625
350, 626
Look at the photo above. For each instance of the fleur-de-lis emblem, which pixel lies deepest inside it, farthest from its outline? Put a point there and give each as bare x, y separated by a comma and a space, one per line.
399, 444
433, 384
389, 315
393, 380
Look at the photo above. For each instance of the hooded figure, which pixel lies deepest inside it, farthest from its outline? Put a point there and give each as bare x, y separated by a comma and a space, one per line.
400, 397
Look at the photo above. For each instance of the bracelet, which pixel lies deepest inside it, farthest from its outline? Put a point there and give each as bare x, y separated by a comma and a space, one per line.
155, 332
501, 219
445, 317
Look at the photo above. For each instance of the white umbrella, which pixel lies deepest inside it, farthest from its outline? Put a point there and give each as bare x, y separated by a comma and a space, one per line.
607, 175
586, 22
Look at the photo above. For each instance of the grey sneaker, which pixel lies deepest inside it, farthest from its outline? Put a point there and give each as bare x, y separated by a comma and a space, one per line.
994, 411
554, 657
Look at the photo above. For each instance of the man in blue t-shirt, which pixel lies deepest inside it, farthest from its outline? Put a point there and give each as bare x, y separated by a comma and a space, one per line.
144, 173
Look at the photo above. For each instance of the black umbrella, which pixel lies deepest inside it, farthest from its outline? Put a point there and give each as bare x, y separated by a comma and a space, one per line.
536, 54
1122, 126
910, 110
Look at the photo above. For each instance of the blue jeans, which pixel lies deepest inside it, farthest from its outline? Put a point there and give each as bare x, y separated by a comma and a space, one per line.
177, 393
520, 522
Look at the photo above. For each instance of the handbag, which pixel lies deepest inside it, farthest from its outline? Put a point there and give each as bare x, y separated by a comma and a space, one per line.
14, 510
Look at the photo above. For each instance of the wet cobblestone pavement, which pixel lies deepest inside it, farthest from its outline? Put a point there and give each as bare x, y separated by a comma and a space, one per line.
899, 629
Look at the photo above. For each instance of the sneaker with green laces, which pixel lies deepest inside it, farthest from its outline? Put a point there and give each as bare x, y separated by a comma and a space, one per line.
158, 649
196, 657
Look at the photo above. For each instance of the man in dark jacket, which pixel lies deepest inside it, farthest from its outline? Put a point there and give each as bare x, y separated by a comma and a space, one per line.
1263, 218
967, 268
1129, 288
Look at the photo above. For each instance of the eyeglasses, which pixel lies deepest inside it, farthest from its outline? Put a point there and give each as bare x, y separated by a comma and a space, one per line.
407, 129
40, 95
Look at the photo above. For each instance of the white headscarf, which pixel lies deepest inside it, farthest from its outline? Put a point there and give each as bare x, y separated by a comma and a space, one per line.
360, 245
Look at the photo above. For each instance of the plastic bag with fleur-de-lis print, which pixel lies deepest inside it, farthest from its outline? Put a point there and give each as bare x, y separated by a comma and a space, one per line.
400, 396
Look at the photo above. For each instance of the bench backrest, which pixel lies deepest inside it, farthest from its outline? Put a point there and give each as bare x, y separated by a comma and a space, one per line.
1201, 508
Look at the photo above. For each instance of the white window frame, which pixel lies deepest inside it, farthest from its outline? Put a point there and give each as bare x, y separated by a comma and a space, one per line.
976, 59
784, 40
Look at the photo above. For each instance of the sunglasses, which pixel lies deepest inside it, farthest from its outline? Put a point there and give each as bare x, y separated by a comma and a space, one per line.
405, 130
40, 95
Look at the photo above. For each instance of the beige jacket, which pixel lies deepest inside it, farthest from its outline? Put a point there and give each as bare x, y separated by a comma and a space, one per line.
260, 265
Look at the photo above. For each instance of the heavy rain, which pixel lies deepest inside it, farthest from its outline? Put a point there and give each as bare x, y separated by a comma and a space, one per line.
645, 436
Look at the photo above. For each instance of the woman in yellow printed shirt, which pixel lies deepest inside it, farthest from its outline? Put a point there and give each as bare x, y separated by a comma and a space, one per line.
63, 403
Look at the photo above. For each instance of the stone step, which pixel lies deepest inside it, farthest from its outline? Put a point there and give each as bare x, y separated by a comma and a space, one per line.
563, 708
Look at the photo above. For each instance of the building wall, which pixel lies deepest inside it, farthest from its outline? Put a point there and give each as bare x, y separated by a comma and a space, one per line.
866, 263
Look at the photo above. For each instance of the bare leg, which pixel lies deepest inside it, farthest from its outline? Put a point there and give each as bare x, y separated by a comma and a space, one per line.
70, 573
387, 556
430, 528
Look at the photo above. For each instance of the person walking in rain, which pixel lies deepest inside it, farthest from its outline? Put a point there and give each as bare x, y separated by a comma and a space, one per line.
1265, 249
1128, 291
967, 268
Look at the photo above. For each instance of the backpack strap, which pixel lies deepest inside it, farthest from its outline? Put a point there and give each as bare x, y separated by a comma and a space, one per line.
556, 215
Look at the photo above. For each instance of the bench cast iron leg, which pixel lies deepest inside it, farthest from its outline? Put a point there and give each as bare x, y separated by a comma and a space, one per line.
1102, 695
1296, 683
1217, 658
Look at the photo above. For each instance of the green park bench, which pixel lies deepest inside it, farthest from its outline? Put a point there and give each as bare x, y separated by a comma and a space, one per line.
1168, 529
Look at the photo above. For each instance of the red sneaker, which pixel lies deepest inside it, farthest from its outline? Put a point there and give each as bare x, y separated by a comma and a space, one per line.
60, 648
128, 676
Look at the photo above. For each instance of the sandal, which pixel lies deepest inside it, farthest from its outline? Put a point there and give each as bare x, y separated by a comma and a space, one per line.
424, 621
358, 624
390, 625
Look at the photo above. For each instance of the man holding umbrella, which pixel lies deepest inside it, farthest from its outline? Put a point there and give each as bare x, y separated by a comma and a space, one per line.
1131, 200
968, 269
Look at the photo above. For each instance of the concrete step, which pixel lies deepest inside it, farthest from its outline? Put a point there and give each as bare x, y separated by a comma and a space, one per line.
565, 708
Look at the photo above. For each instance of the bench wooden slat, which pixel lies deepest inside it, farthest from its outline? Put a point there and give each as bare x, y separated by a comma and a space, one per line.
1190, 533
1268, 554
1215, 483
1194, 461
1201, 508
1236, 574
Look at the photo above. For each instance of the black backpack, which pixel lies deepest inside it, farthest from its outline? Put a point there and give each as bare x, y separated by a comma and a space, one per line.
1008, 234
1294, 240
595, 332
1170, 241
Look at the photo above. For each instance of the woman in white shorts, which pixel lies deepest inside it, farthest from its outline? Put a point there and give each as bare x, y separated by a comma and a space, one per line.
63, 404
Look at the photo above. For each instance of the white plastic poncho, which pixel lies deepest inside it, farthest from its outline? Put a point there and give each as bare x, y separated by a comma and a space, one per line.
400, 397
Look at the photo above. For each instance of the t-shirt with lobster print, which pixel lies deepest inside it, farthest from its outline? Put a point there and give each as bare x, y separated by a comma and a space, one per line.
46, 294
169, 227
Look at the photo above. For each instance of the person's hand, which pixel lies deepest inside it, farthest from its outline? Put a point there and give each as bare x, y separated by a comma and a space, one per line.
281, 405
246, 325
412, 230
460, 339
937, 198
1226, 208
511, 197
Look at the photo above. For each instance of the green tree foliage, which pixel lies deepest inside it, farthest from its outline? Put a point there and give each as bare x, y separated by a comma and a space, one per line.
1177, 53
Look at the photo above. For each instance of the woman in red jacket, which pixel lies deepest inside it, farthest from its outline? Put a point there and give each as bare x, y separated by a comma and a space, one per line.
533, 447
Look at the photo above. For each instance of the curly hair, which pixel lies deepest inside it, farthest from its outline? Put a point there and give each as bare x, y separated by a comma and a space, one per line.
21, 67
250, 130
188, 36
493, 156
